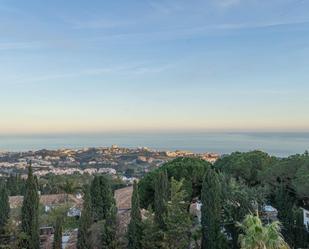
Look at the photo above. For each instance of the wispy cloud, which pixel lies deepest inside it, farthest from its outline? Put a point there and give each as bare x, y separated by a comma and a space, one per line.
176, 33
98, 23
89, 72
20, 45
227, 3
167, 7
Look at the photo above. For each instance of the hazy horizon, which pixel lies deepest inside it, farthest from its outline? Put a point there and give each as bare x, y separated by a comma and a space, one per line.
274, 143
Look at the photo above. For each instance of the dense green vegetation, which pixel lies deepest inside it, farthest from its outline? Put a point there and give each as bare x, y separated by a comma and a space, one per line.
232, 191
191, 170
235, 186
174, 229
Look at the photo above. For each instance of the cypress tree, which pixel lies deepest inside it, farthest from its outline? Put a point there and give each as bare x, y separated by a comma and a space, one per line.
29, 214
109, 229
4, 208
101, 197
58, 233
134, 228
161, 198
85, 222
177, 220
211, 211
300, 233
4, 216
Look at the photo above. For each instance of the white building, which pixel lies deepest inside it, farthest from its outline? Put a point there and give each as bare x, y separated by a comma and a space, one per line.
74, 212
306, 217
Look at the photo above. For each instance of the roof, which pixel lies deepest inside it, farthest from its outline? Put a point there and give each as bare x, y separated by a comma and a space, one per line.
47, 200
123, 197
268, 208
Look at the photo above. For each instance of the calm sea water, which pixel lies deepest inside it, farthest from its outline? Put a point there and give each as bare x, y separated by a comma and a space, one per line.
279, 144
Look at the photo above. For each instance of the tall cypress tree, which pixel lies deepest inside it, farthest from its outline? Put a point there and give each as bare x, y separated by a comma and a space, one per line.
300, 234
58, 233
177, 220
161, 198
135, 228
29, 214
211, 211
4, 208
4, 215
109, 240
101, 197
85, 221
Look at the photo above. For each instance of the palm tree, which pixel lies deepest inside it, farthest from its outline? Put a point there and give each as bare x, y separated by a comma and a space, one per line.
69, 187
257, 236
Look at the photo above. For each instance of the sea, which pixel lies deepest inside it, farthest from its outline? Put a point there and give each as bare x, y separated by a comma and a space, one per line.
280, 144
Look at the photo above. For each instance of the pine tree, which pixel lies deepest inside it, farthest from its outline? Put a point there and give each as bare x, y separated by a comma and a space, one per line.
85, 222
4, 208
58, 233
177, 220
134, 228
161, 198
29, 214
109, 240
152, 234
211, 211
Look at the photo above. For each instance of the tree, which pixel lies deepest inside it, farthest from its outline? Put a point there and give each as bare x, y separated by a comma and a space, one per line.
4, 208
101, 197
69, 187
135, 226
4, 216
300, 233
238, 200
247, 166
284, 202
257, 236
161, 198
109, 240
85, 221
58, 234
15, 185
301, 180
211, 211
177, 220
152, 234
29, 214
191, 169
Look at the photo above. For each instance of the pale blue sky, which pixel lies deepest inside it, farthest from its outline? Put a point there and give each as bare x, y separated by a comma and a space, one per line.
88, 66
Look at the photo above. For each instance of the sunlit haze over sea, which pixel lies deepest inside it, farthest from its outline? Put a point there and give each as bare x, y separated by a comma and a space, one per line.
278, 144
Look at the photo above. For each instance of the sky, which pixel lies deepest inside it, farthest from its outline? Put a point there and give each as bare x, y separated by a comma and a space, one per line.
153, 65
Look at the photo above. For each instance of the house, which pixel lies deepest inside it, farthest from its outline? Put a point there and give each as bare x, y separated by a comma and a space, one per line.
47, 208
46, 230
269, 213
195, 210
306, 218
74, 212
